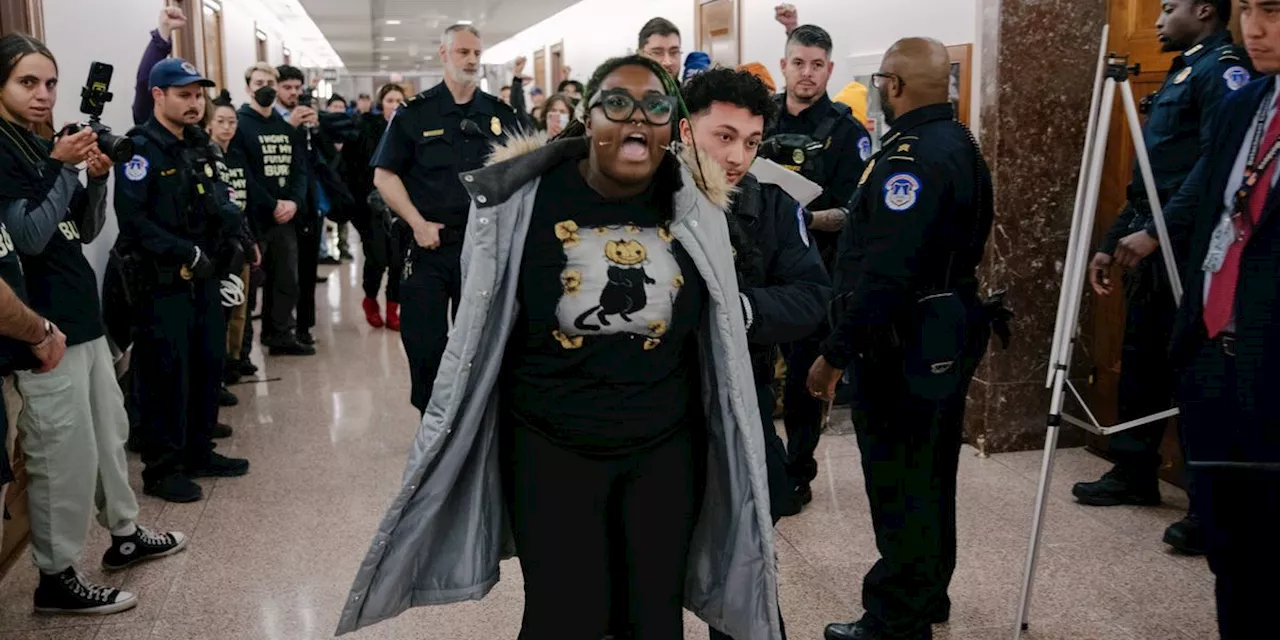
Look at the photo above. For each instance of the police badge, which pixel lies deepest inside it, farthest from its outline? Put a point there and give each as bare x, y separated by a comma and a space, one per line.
495, 125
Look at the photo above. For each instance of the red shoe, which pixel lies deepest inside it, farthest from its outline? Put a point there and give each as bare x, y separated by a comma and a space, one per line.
393, 316
373, 314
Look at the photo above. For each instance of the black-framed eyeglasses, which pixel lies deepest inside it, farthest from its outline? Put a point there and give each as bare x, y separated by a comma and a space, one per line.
878, 79
619, 105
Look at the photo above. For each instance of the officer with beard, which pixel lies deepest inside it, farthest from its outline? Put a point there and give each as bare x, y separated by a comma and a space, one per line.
443, 131
911, 330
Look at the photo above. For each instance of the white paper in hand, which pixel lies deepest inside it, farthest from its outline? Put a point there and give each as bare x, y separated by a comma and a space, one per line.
797, 186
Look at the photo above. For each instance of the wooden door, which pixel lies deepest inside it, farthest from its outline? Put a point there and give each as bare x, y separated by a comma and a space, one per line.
557, 66
718, 29
214, 67
1133, 33
540, 72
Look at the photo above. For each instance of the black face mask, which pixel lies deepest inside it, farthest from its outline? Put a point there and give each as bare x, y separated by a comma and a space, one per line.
265, 96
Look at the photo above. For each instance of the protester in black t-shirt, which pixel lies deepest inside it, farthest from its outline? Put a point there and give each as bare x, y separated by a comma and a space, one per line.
601, 386
74, 421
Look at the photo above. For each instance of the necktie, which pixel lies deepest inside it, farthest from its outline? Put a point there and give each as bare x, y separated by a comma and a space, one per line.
1222, 292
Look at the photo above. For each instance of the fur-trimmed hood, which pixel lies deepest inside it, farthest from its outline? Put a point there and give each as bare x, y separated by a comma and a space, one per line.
523, 157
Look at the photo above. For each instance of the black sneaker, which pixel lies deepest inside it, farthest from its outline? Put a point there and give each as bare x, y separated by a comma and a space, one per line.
1186, 537
219, 466
174, 488
292, 348
226, 398
143, 545
329, 260
305, 337
70, 593
804, 494
231, 372
346, 255
1118, 487
222, 431
247, 368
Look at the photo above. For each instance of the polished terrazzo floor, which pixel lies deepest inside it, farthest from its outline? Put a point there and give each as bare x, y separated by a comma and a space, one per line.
272, 554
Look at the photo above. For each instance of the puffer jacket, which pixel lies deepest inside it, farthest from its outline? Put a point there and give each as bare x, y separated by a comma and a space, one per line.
446, 530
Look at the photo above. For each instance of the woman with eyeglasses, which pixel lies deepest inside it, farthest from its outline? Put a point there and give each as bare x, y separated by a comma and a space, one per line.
596, 395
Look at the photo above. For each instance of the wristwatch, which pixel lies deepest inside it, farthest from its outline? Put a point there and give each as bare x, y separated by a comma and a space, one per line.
48, 331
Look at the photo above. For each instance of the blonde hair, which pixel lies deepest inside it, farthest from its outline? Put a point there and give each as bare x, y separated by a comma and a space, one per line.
263, 67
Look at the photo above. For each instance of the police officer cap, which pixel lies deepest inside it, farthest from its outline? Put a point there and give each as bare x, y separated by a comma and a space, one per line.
176, 72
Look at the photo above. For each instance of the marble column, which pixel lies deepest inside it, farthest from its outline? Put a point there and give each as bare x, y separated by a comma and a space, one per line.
1037, 59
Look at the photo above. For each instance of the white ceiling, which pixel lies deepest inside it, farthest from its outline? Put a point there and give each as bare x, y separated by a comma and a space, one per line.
357, 29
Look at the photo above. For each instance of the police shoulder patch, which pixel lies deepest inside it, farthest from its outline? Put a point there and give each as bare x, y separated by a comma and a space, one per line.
804, 228
864, 148
1236, 77
901, 191
136, 168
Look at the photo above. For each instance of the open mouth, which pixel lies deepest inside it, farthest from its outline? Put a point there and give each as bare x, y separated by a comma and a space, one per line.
635, 147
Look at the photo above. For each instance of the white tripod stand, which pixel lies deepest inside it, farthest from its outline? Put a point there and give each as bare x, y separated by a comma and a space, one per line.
1113, 72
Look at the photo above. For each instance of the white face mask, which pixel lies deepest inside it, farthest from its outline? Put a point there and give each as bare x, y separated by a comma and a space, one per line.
561, 119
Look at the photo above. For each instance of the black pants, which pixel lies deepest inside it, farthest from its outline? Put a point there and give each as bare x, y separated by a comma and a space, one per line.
910, 453
177, 370
433, 278
382, 257
308, 263
280, 293
1239, 508
803, 417
1146, 378
584, 524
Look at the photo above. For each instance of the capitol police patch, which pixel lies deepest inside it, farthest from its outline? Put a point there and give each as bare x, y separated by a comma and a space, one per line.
1236, 77
136, 168
901, 191
804, 228
864, 148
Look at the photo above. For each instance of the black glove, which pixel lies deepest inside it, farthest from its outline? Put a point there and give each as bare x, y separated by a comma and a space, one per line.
201, 267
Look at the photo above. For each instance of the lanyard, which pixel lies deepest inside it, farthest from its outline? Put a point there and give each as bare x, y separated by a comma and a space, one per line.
1253, 173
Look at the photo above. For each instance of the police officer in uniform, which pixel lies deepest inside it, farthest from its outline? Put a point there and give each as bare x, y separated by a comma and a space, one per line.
438, 134
1178, 120
911, 330
821, 140
177, 225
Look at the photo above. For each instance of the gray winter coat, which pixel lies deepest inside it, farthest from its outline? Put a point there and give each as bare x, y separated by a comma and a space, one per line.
444, 534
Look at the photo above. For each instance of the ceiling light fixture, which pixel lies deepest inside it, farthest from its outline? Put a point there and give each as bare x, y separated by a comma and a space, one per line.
386, 57
464, 22
393, 22
389, 39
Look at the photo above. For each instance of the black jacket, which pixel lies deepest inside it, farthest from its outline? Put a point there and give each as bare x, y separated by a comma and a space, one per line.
279, 175
163, 214
784, 285
1192, 216
918, 225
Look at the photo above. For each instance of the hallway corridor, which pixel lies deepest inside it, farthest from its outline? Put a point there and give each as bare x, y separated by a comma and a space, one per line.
273, 553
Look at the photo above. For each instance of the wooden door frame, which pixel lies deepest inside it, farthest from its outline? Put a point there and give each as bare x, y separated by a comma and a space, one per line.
27, 13
220, 11
557, 75
697, 26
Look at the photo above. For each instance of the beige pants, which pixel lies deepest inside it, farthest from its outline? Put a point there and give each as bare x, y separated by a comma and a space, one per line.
12, 406
74, 427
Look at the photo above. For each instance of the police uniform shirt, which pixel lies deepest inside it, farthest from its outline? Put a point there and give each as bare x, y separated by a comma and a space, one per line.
1178, 122
158, 200
918, 225
432, 139
845, 151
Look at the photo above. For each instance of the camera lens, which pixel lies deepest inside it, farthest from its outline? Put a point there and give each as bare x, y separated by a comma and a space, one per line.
118, 148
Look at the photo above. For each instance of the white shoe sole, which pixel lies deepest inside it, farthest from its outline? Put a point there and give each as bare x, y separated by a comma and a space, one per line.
105, 610
182, 544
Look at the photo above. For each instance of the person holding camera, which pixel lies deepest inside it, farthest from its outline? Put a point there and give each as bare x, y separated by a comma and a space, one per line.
178, 222
74, 423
